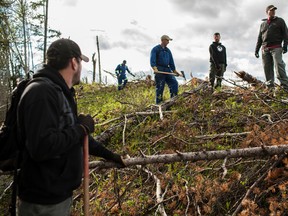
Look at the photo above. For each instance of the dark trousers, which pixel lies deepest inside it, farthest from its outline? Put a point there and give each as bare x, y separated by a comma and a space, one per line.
122, 81
214, 72
161, 80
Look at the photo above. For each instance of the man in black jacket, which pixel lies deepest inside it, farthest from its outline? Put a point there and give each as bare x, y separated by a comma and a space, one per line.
218, 61
273, 32
52, 134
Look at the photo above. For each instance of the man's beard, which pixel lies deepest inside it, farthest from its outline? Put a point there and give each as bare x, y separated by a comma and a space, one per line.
76, 78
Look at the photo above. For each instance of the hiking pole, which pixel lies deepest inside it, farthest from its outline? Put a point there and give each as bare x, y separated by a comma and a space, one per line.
86, 175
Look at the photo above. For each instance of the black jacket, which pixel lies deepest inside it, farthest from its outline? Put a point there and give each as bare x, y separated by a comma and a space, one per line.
52, 163
273, 34
217, 54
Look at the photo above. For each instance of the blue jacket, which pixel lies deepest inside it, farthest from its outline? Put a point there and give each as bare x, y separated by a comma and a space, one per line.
162, 58
121, 69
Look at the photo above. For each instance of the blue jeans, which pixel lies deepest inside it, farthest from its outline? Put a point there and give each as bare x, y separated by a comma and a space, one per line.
161, 80
32, 209
272, 59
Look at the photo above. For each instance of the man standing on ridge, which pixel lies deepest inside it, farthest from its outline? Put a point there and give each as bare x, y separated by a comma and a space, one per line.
273, 32
218, 61
52, 135
121, 74
161, 60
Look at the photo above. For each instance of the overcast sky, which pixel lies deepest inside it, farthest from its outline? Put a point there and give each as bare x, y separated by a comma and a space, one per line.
129, 29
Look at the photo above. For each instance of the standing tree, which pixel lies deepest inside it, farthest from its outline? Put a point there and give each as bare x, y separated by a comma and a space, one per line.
22, 39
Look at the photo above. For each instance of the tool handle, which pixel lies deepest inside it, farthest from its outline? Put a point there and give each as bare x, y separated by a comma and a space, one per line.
86, 175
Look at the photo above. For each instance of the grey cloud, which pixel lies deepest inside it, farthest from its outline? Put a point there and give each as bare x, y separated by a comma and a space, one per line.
135, 39
135, 35
104, 43
198, 67
204, 8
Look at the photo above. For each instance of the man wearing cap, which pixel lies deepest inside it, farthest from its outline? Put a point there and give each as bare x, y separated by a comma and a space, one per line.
121, 74
273, 37
218, 61
161, 60
52, 134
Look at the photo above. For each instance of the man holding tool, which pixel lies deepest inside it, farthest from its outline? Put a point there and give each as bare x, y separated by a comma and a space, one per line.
52, 135
161, 60
121, 74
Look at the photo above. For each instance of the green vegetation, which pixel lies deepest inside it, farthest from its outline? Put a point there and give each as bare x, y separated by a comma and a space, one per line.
196, 121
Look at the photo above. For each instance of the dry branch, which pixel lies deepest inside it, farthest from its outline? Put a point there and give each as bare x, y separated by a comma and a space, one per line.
212, 136
249, 78
107, 134
197, 156
167, 104
255, 184
133, 115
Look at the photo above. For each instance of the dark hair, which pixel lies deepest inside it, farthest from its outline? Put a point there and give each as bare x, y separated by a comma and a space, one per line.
216, 33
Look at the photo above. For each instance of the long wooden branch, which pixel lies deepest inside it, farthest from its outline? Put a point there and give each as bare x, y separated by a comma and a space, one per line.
211, 136
196, 156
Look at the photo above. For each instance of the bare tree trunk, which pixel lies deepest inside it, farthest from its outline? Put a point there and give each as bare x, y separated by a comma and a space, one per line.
197, 156
94, 67
23, 14
45, 32
99, 62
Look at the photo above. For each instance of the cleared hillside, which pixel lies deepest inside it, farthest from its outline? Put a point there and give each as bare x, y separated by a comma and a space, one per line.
197, 120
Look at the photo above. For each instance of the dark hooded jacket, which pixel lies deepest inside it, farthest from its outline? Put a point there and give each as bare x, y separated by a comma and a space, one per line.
272, 34
217, 54
52, 162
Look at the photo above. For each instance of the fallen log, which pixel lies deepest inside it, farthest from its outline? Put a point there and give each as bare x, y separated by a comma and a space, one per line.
249, 78
196, 156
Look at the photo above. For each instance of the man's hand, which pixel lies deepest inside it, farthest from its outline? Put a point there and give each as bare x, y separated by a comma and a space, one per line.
155, 69
118, 159
88, 122
176, 72
256, 54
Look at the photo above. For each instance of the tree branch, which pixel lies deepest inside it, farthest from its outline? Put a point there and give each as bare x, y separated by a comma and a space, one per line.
196, 156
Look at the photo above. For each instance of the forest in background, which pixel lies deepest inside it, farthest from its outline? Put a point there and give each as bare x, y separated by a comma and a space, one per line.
24, 34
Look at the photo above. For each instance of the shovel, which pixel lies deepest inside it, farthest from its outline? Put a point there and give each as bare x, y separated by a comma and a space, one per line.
86, 175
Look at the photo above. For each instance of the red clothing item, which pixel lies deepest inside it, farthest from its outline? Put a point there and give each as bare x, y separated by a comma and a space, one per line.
268, 20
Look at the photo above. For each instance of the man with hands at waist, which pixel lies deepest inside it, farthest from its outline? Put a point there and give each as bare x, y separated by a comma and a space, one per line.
273, 37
